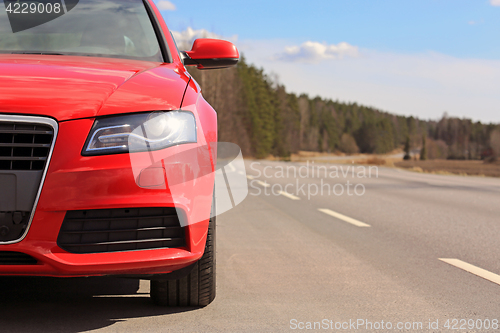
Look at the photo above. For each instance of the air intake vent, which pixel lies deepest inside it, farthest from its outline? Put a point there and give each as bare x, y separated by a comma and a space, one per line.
24, 146
16, 258
112, 230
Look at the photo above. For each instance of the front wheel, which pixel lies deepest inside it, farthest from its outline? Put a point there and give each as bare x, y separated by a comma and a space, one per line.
195, 289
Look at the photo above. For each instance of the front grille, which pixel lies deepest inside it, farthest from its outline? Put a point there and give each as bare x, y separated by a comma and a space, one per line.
24, 146
112, 230
16, 258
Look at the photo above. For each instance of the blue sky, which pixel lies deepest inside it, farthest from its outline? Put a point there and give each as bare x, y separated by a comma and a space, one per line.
408, 57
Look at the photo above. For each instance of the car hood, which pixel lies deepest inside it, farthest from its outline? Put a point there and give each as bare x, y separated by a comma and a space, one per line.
68, 87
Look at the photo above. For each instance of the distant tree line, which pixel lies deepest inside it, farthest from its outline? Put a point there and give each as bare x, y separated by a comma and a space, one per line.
257, 113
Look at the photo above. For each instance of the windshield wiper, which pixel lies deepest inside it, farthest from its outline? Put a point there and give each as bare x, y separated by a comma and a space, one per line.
40, 53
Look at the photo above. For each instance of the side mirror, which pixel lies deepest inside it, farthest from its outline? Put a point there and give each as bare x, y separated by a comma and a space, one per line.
211, 53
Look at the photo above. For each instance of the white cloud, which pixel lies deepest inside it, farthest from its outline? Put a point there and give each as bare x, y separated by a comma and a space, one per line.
422, 84
185, 39
166, 5
314, 52
495, 2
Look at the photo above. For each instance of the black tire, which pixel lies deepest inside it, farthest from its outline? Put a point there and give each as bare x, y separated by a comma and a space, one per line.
196, 288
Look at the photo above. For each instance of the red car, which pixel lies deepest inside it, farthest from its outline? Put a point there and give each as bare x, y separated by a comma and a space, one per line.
107, 148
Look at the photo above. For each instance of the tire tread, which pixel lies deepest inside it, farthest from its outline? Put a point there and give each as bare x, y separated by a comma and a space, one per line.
195, 289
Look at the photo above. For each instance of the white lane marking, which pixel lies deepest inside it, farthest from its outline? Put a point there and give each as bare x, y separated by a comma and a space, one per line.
344, 218
120, 296
231, 167
495, 278
288, 195
250, 177
143, 291
143, 287
241, 172
263, 183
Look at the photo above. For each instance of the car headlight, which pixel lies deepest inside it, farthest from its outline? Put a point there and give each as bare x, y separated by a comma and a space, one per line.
140, 132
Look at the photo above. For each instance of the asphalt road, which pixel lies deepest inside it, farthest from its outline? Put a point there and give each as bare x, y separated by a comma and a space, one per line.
286, 259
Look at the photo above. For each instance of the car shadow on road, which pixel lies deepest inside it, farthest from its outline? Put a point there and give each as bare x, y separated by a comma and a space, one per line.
43, 304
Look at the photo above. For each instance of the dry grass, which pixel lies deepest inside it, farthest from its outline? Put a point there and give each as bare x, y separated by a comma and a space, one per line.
464, 168
375, 160
442, 167
369, 159
304, 155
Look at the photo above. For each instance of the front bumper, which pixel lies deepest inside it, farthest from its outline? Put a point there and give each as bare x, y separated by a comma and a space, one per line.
75, 182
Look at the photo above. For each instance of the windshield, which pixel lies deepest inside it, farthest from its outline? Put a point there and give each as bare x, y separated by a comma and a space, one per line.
105, 28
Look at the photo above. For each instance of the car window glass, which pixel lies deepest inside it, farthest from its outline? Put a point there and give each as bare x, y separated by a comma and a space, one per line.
111, 28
